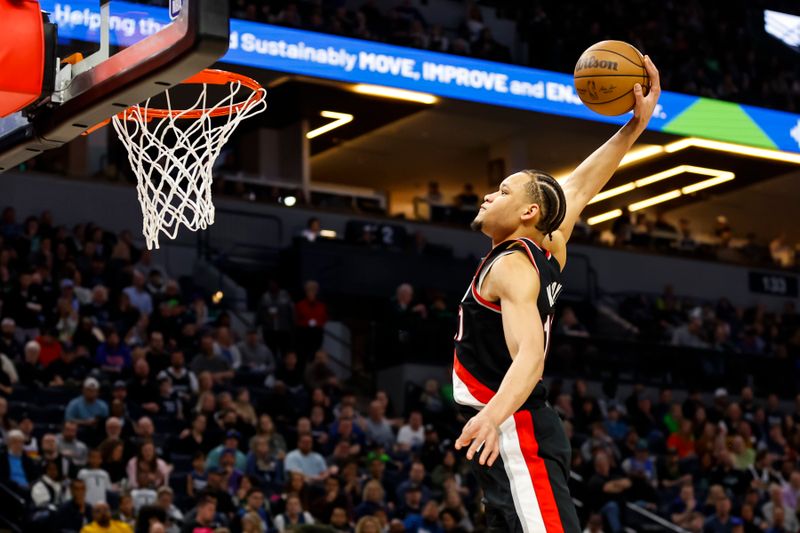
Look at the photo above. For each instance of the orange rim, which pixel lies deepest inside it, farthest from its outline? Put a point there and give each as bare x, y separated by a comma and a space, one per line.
208, 76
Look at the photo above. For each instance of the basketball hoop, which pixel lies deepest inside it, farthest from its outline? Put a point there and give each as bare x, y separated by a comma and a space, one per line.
173, 164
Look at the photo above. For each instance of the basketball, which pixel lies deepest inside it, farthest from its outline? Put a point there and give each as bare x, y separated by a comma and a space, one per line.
605, 75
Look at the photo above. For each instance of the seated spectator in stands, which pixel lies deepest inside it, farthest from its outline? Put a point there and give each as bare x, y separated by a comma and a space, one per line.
467, 200
734, 481
194, 438
103, 523
184, 381
276, 441
76, 512
276, 317
373, 499
416, 478
791, 491
217, 488
691, 334
775, 503
570, 325
9, 342
606, 492
232, 439
306, 461
263, 465
17, 470
782, 252
157, 356
426, 521
70, 370
169, 403
138, 295
231, 474
377, 427
686, 242
256, 356
288, 377
50, 489
143, 391
721, 521
203, 517
319, 374
743, 456
113, 453
683, 440
226, 348
70, 447
293, 516
411, 502
113, 356
97, 480
681, 509
30, 370
209, 361
50, 347
311, 316
98, 307
147, 464
87, 409
412, 434
312, 229
599, 441
26, 305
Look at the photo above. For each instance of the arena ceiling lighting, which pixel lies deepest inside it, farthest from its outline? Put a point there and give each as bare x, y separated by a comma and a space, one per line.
658, 176
655, 200
610, 215
397, 94
340, 119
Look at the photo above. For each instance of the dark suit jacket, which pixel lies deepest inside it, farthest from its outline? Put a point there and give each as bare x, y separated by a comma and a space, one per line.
30, 468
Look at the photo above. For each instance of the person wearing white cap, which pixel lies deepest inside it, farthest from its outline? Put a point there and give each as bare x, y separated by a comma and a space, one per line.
87, 409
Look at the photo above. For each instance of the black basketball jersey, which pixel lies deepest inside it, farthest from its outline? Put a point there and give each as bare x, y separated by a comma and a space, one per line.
481, 356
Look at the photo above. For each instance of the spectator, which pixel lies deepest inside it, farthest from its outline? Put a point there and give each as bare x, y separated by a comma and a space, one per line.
31, 373
209, 361
312, 315
113, 355
97, 480
775, 502
231, 443
293, 516
143, 391
224, 347
75, 513
16, 468
690, 334
184, 381
416, 478
9, 342
570, 325
428, 520
377, 428
306, 461
606, 492
8, 375
147, 466
256, 356
204, 516
102, 521
70, 447
684, 506
87, 409
412, 434
50, 489
721, 521
312, 229
138, 295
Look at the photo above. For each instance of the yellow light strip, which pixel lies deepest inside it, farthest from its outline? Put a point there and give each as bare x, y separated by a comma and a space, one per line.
666, 197
604, 217
398, 94
340, 119
645, 152
658, 176
739, 149
610, 193
700, 185
327, 233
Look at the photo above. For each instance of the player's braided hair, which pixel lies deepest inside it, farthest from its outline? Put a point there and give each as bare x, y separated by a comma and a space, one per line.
544, 190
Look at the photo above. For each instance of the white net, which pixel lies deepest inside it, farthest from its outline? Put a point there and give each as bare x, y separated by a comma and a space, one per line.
173, 156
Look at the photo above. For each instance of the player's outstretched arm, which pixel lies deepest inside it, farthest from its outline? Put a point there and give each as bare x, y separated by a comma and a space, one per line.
516, 284
595, 171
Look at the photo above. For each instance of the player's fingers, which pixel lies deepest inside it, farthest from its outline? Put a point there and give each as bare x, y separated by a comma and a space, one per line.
486, 452
652, 72
467, 434
639, 96
493, 456
474, 447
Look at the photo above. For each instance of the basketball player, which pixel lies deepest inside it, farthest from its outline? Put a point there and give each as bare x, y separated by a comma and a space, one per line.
505, 324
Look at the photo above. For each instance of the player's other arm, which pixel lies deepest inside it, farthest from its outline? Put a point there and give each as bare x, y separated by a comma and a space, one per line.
515, 282
595, 171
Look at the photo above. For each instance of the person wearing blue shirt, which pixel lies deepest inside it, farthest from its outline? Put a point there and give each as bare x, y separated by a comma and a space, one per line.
427, 522
16, 468
85, 410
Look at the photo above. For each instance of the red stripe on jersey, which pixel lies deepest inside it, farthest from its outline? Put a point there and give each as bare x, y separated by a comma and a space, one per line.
482, 301
538, 472
530, 254
481, 392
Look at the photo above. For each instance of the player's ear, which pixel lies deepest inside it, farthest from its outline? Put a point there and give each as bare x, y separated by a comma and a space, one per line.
530, 212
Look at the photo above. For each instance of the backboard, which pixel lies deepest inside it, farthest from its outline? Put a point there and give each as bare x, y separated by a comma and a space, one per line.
143, 50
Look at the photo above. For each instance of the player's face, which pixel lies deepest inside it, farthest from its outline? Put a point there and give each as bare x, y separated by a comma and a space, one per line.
504, 210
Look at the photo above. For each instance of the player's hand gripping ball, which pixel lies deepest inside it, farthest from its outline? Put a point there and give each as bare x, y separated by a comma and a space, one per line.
606, 74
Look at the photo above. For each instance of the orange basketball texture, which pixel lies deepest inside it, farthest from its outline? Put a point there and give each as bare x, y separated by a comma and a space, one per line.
605, 75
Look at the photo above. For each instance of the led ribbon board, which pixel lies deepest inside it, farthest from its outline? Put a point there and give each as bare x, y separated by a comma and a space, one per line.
355, 61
